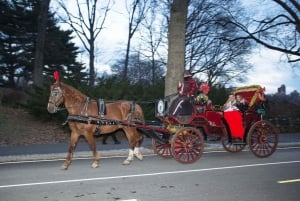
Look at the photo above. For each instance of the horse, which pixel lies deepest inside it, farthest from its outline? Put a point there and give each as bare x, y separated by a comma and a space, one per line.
79, 105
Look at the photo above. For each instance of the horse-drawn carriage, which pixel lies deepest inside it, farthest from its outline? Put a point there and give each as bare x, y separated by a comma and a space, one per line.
180, 136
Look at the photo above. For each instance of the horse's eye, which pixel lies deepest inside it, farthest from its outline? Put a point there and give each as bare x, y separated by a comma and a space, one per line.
54, 93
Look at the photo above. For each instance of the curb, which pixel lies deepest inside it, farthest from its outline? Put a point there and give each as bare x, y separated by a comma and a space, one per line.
106, 153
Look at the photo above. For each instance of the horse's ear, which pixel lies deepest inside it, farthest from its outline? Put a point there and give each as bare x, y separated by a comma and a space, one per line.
56, 76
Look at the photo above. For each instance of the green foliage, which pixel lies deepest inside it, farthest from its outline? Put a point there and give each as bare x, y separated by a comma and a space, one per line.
17, 28
218, 96
18, 31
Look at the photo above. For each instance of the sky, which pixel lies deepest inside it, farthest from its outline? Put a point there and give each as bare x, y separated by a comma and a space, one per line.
271, 72
269, 67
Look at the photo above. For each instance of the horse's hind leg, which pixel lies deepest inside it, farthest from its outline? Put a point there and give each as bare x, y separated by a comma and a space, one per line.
137, 152
73, 142
90, 139
134, 140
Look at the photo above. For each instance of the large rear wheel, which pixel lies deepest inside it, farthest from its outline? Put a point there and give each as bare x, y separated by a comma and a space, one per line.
187, 145
263, 139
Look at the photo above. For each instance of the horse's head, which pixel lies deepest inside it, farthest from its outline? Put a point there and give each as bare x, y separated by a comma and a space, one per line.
56, 97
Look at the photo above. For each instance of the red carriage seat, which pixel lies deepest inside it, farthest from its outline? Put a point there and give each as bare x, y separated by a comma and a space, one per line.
234, 119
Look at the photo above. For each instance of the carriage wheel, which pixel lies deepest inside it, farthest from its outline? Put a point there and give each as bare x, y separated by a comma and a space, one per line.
187, 145
262, 139
162, 149
231, 147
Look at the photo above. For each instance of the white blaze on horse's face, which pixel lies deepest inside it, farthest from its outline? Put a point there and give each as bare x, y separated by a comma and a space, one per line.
56, 98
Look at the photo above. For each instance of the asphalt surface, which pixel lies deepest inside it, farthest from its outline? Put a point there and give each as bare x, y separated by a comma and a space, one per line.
59, 151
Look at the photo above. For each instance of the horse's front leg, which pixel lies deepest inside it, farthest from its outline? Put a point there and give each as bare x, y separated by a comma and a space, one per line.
73, 143
91, 141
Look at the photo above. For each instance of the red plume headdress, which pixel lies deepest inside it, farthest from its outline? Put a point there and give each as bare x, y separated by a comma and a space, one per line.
56, 76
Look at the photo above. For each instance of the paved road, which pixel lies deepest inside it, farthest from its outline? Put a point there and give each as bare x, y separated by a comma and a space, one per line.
49, 151
217, 176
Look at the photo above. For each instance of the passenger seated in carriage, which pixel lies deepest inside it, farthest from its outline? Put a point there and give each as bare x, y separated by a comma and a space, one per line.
241, 103
236, 102
186, 91
202, 97
234, 108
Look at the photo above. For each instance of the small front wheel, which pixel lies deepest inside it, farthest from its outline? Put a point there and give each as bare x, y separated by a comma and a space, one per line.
162, 149
230, 146
187, 145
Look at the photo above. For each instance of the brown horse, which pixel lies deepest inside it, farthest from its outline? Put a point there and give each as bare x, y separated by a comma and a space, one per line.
79, 105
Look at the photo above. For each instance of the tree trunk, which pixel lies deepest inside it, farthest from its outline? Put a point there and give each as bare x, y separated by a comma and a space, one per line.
125, 71
92, 62
176, 49
40, 43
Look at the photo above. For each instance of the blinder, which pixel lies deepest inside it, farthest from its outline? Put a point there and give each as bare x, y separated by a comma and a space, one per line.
55, 99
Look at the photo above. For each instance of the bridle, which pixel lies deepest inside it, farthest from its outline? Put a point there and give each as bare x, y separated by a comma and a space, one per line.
54, 93
54, 100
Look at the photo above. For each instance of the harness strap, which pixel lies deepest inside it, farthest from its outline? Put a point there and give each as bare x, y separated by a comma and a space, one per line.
132, 106
85, 107
132, 110
101, 107
95, 121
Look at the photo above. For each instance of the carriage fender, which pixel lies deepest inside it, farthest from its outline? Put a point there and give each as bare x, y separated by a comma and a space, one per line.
214, 118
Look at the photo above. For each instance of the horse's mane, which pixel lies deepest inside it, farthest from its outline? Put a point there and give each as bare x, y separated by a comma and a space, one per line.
73, 92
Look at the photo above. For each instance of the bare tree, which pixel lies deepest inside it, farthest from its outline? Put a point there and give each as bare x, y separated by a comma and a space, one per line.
136, 14
207, 55
87, 23
152, 37
40, 43
278, 30
176, 51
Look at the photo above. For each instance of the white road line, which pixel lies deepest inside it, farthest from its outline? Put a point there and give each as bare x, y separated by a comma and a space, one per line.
145, 175
130, 200
288, 181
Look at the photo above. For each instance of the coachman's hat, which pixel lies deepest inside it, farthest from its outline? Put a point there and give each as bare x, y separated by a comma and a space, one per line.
187, 74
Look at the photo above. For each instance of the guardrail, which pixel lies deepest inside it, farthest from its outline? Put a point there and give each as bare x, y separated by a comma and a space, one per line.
286, 125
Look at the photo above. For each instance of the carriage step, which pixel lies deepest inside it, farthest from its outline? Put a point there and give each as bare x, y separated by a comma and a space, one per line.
239, 143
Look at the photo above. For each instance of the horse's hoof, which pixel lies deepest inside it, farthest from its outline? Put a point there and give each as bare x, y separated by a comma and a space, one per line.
64, 167
139, 156
95, 165
126, 162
